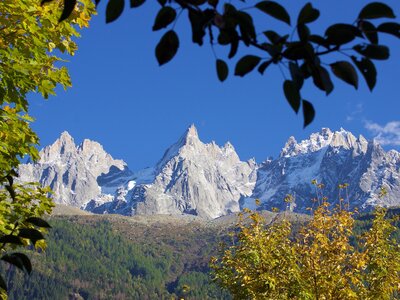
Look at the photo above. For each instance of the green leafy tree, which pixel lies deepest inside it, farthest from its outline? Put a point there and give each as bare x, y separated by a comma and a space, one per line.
271, 261
303, 51
30, 39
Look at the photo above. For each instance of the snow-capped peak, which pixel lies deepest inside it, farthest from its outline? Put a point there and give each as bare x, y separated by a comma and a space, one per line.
189, 138
322, 139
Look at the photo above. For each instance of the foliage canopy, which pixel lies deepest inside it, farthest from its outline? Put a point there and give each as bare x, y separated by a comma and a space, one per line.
322, 260
30, 35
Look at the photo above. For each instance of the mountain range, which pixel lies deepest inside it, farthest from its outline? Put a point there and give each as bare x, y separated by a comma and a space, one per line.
209, 181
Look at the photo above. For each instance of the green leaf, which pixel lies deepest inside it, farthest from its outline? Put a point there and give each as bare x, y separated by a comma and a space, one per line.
378, 52
275, 10
10, 239
369, 30
322, 80
246, 64
222, 70
308, 14
38, 222
19, 260
263, 66
167, 47
114, 10
165, 16
292, 94
3, 284
137, 3
308, 113
346, 72
367, 69
390, 28
339, 34
69, 6
376, 10
31, 234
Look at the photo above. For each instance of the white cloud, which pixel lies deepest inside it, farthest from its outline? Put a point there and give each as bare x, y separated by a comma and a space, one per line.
388, 134
356, 111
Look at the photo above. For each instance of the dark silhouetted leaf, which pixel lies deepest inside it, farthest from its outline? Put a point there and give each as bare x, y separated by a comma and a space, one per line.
10, 239
345, 71
31, 234
38, 222
272, 36
224, 38
390, 28
298, 50
308, 113
137, 3
234, 48
162, 2
167, 47
222, 70
97, 2
322, 80
263, 66
292, 94
370, 31
296, 74
166, 15
69, 6
307, 14
274, 10
246, 26
3, 284
246, 64
114, 10
373, 51
303, 31
11, 191
319, 40
376, 10
367, 69
10, 180
197, 23
339, 34
19, 260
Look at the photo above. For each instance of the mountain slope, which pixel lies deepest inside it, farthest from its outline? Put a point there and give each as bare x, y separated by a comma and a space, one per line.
331, 158
72, 171
191, 178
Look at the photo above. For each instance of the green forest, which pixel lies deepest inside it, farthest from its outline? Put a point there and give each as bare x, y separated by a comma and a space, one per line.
110, 257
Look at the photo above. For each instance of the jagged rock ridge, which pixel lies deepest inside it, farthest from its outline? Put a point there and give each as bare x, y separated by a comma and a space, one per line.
72, 171
331, 158
210, 181
191, 178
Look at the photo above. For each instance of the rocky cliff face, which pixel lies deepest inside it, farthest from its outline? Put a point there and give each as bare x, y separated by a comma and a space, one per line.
72, 171
331, 158
191, 178
210, 181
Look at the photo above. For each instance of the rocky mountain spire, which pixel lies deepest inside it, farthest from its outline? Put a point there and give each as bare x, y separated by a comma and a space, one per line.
70, 170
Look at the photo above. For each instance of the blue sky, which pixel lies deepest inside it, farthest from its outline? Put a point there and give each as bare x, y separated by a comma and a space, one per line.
136, 109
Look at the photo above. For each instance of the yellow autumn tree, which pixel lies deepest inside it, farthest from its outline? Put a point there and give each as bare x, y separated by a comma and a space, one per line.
318, 261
